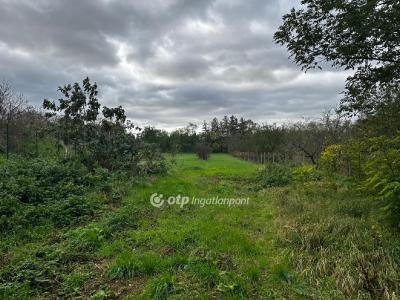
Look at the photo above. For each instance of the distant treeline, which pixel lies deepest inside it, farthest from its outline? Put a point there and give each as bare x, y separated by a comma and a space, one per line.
304, 138
79, 125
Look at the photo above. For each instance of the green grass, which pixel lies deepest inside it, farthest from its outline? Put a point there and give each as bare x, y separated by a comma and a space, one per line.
303, 241
339, 242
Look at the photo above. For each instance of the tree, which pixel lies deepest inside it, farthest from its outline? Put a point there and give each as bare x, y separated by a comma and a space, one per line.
203, 150
12, 108
309, 138
385, 121
269, 138
185, 139
233, 125
105, 138
362, 34
158, 137
338, 128
78, 108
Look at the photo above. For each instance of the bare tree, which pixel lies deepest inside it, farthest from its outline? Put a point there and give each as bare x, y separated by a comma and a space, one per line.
337, 125
12, 106
309, 138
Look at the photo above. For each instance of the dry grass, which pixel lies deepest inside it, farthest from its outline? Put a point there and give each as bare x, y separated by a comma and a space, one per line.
336, 242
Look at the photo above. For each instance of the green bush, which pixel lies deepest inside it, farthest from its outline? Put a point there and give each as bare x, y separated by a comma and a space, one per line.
203, 150
274, 175
39, 270
39, 191
383, 175
39, 181
306, 173
373, 164
346, 159
86, 239
73, 210
151, 161
9, 208
332, 158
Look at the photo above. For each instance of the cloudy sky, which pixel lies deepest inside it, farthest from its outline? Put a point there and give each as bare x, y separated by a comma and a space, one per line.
167, 62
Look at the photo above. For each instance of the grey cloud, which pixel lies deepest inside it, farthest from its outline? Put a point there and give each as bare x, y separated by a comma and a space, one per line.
168, 62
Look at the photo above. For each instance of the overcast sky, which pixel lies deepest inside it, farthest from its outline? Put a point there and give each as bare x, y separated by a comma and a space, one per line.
167, 62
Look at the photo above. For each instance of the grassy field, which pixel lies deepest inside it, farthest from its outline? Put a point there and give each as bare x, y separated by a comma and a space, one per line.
303, 241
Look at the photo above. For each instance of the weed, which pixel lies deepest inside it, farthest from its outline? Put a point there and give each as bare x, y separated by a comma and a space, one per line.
274, 175
337, 244
161, 287
86, 238
129, 264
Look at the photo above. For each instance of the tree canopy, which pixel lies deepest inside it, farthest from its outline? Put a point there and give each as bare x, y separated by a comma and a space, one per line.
363, 35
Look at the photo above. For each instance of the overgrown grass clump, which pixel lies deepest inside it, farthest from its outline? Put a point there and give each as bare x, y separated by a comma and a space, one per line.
337, 237
337, 242
283, 174
274, 175
37, 192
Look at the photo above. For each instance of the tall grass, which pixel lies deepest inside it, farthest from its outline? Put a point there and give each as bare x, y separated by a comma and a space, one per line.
336, 241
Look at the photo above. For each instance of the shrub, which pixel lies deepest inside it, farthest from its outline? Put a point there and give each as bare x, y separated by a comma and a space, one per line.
86, 239
347, 159
383, 175
306, 173
39, 270
203, 151
37, 191
9, 207
374, 163
331, 158
275, 175
39, 181
151, 161
15, 291
73, 210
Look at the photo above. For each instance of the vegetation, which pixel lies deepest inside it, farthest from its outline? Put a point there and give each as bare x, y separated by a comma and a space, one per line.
106, 140
52, 199
373, 164
335, 241
305, 139
359, 35
77, 184
203, 150
312, 237
275, 174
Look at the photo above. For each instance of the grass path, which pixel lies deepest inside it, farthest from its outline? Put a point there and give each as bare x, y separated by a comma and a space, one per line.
133, 250
214, 251
307, 240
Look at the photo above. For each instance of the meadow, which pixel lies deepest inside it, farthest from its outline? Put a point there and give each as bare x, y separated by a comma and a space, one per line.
275, 203
310, 238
